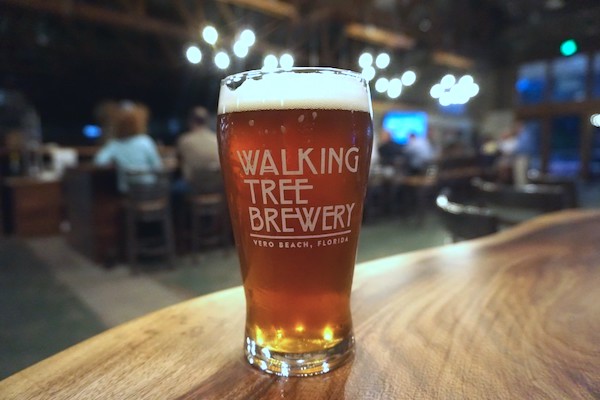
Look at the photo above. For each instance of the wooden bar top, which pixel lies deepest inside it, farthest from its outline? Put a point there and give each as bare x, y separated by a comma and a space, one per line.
512, 316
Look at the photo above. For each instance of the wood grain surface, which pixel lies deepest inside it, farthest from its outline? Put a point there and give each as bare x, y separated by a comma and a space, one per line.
511, 316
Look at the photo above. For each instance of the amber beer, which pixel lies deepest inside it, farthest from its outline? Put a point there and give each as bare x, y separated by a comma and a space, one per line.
295, 149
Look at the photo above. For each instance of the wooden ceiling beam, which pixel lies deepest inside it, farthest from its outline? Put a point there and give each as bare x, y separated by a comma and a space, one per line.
140, 7
378, 36
271, 7
227, 14
96, 14
184, 13
124, 19
136, 6
170, 56
452, 60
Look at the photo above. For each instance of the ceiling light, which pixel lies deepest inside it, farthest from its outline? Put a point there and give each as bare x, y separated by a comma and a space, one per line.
193, 54
382, 60
395, 83
408, 78
466, 80
436, 91
445, 99
450, 91
240, 49
365, 60
459, 94
286, 61
382, 84
448, 81
568, 47
270, 63
222, 60
248, 37
368, 73
395, 88
210, 34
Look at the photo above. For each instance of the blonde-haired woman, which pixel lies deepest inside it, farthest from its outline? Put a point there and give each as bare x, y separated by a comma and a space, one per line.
131, 149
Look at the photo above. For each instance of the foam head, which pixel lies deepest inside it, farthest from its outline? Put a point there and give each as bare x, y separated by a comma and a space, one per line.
304, 88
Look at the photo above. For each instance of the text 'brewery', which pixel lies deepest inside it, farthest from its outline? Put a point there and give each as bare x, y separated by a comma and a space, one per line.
263, 169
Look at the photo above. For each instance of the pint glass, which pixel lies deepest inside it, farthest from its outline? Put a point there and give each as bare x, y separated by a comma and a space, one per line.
295, 148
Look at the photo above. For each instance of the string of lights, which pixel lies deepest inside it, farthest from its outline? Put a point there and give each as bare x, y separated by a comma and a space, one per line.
374, 69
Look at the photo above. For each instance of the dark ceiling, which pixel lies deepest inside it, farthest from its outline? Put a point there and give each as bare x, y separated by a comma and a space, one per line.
67, 55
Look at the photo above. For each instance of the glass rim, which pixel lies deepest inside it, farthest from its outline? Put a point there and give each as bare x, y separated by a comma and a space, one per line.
258, 73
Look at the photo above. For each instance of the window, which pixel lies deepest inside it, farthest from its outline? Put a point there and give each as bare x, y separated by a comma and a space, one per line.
569, 77
565, 145
533, 128
532, 81
596, 72
595, 158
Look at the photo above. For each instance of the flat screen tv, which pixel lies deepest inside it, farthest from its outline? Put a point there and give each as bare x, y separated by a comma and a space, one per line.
400, 124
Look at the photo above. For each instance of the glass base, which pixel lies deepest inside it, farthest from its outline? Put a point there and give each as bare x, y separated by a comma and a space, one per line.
299, 364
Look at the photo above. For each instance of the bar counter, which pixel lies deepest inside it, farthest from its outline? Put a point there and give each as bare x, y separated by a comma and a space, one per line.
32, 207
515, 315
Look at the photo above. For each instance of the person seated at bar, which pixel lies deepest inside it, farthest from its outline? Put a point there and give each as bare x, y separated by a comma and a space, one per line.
507, 146
419, 153
197, 148
523, 152
131, 149
390, 152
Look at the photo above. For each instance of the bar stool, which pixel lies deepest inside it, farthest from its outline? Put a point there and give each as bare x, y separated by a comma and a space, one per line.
208, 210
464, 221
515, 204
149, 226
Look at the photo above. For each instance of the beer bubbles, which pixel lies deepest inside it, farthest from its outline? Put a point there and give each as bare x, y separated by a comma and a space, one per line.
328, 334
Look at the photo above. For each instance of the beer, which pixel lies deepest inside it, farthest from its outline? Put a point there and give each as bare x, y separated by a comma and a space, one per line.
295, 164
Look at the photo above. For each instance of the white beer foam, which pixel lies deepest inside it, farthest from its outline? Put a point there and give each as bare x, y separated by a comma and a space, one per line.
285, 90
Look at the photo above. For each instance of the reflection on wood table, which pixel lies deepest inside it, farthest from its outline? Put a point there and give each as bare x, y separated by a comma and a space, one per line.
512, 316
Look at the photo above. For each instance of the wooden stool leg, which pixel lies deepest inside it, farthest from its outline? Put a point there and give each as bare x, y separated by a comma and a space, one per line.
132, 243
170, 240
194, 234
224, 225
